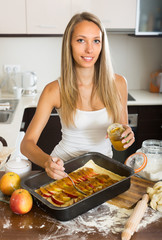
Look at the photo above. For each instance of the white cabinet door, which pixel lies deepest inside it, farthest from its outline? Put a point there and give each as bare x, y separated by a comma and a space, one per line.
12, 17
47, 16
115, 14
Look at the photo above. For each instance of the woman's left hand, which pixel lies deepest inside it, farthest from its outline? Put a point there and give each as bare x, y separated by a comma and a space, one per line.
128, 136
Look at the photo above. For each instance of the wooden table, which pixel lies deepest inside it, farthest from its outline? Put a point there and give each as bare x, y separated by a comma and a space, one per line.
38, 225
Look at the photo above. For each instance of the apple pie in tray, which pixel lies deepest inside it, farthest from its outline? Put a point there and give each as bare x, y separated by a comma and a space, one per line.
100, 177
90, 179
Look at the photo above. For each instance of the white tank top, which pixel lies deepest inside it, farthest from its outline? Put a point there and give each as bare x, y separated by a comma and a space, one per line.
88, 135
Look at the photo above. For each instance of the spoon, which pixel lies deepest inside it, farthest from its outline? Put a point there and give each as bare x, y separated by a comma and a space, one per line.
72, 181
75, 185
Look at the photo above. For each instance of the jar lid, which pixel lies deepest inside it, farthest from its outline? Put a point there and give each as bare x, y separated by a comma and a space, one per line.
115, 129
18, 163
140, 157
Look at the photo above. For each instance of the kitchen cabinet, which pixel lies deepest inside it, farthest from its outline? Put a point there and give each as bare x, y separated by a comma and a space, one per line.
115, 14
47, 16
12, 17
34, 16
52, 16
149, 123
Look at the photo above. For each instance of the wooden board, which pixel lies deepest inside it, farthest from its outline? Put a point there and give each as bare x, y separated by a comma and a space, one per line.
129, 198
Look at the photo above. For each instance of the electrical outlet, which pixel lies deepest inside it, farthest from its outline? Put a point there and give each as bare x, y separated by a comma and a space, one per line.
8, 68
16, 68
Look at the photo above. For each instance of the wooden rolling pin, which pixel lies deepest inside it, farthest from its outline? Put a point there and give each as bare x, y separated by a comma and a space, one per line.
135, 218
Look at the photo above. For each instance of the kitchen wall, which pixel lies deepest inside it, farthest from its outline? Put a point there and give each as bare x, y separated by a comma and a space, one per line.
133, 57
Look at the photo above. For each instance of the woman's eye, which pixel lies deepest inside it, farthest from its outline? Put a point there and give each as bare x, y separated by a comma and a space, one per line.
97, 41
80, 40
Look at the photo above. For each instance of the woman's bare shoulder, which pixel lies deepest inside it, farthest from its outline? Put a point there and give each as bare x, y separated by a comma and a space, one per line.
52, 93
120, 80
121, 83
52, 87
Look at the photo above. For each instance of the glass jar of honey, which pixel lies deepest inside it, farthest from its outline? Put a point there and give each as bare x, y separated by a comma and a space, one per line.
115, 131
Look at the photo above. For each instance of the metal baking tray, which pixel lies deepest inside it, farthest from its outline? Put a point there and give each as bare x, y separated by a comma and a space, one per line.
66, 213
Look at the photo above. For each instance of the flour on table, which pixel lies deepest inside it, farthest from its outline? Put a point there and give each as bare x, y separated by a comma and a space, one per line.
42, 226
103, 219
149, 217
7, 224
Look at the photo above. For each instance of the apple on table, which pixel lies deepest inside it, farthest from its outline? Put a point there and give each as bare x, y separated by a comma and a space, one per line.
21, 201
9, 182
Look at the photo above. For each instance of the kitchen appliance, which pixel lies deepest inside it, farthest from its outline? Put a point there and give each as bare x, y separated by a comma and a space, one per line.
18, 91
66, 213
149, 17
29, 83
8, 82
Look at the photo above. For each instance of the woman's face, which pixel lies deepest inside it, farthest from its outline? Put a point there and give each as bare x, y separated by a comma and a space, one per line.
86, 44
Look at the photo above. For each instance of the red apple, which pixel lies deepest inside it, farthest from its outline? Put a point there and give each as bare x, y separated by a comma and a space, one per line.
21, 201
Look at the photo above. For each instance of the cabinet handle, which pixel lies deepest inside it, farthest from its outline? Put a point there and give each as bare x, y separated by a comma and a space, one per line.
22, 125
45, 26
54, 114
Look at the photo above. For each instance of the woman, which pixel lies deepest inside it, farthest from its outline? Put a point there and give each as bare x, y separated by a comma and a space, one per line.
88, 97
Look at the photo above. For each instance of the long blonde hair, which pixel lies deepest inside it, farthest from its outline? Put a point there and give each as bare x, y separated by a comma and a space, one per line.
104, 79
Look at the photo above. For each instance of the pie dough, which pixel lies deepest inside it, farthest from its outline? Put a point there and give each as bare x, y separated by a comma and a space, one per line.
90, 178
155, 195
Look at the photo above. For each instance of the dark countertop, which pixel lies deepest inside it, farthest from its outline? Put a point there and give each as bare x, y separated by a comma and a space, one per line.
38, 225
10, 131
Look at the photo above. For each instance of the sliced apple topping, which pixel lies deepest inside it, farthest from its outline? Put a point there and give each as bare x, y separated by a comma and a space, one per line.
62, 193
56, 201
60, 198
44, 192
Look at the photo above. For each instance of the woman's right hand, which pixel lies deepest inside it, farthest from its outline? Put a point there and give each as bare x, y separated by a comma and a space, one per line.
55, 168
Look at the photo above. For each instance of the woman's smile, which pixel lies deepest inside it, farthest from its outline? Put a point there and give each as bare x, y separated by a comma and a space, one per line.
87, 59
